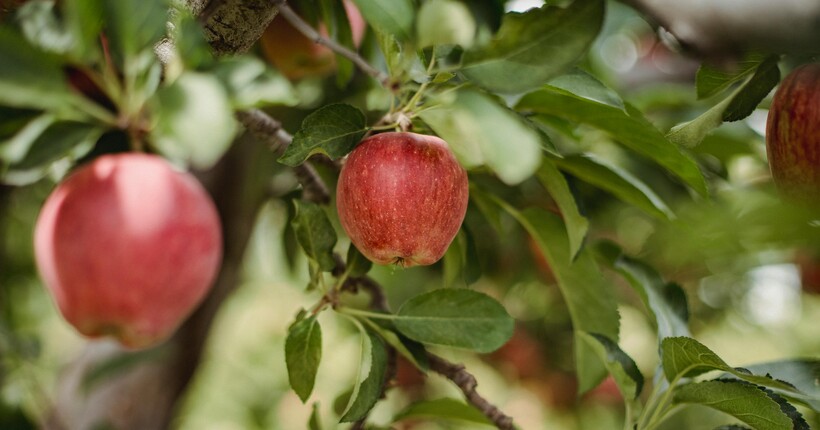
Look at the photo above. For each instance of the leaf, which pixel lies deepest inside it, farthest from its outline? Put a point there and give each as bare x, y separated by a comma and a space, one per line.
357, 264
481, 131
393, 17
13, 150
629, 128
315, 233
250, 83
409, 348
455, 317
584, 85
42, 28
626, 373
370, 381
577, 225
83, 20
801, 374
194, 120
444, 408
314, 423
333, 130
711, 81
57, 141
738, 105
118, 364
29, 77
535, 46
445, 22
744, 401
666, 301
303, 353
134, 26
618, 182
590, 299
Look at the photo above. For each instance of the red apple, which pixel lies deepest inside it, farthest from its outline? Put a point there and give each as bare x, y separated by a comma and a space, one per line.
793, 134
296, 56
402, 197
128, 247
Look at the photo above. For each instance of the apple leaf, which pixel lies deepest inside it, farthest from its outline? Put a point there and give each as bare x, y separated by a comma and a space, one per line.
711, 81
626, 373
799, 374
733, 427
250, 83
556, 184
369, 383
333, 130
618, 182
444, 408
482, 131
29, 77
629, 128
303, 353
461, 263
42, 28
455, 317
445, 22
393, 17
133, 26
357, 263
83, 20
194, 120
589, 297
582, 84
314, 423
413, 351
666, 301
315, 234
532, 47
754, 405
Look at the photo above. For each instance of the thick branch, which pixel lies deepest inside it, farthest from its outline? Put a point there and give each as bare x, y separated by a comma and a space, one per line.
718, 28
233, 26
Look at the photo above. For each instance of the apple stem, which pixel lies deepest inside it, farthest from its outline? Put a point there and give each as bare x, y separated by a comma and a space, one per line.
297, 22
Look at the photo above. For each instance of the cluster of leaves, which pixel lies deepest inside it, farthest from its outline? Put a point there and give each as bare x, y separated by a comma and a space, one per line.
507, 97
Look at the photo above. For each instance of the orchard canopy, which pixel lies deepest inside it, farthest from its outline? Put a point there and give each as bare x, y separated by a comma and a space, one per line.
409, 214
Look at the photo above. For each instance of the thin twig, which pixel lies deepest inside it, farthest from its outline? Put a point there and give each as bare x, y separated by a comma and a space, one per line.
300, 24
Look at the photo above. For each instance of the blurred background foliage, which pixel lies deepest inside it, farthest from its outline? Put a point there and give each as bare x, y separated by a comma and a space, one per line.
750, 266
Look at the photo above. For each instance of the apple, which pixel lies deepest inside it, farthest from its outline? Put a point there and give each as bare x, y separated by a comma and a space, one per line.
793, 134
402, 198
296, 56
128, 246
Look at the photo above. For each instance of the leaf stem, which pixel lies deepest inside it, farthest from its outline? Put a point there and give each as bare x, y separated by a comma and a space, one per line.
366, 314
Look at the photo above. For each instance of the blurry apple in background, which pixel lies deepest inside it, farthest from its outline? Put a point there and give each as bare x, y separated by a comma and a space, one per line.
793, 135
402, 198
128, 246
808, 263
296, 56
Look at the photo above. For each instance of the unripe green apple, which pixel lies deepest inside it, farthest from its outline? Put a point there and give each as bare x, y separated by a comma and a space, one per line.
128, 246
296, 56
793, 135
402, 198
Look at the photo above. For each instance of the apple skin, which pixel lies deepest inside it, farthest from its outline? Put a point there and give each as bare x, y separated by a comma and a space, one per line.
793, 135
402, 198
296, 56
128, 246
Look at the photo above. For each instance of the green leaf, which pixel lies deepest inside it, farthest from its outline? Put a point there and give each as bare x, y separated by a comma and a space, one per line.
370, 380
42, 27
620, 183
744, 401
711, 80
801, 374
194, 120
461, 263
118, 364
83, 20
134, 26
584, 85
626, 373
629, 128
482, 131
13, 149
577, 225
445, 22
535, 46
192, 46
315, 233
57, 141
455, 317
590, 299
336, 20
411, 350
666, 301
357, 264
392, 17
689, 134
444, 408
303, 353
29, 77
753, 92
250, 83
333, 130
314, 423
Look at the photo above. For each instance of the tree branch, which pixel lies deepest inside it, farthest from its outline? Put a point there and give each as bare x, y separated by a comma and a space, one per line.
718, 28
300, 24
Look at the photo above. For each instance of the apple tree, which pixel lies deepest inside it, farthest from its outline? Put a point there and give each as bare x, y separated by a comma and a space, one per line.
409, 214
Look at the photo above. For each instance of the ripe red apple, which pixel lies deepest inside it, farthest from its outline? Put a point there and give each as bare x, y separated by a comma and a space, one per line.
793, 134
296, 56
402, 197
128, 246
